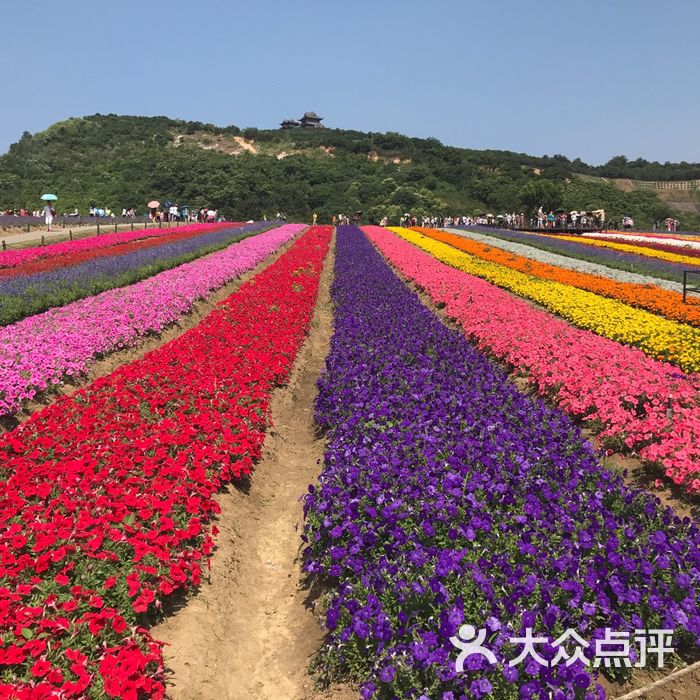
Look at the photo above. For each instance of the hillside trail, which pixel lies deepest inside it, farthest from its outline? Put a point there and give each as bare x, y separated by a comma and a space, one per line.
251, 631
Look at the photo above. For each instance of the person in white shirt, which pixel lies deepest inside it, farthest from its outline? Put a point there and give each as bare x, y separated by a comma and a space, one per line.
48, 215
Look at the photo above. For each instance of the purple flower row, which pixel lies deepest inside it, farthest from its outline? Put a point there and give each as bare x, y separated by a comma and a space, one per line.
41, 350
632, 262
448, 498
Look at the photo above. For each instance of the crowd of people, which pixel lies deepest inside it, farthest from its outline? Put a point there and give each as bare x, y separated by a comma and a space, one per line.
174, 212
511, 220
543, 219
169, 213
99, 212
559, 219
668, 224
23, 212
572, 219
340, 219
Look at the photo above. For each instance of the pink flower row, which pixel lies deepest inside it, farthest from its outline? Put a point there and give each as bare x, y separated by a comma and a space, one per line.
13, 258
636, 403
42, 350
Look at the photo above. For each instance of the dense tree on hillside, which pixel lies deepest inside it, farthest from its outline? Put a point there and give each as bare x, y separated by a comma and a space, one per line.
118, 162
542, 193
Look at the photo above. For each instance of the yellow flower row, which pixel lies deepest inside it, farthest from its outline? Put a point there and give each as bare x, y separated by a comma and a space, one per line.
629, 248
659, 337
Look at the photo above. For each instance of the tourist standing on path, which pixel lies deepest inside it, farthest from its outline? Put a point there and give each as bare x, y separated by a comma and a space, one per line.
48, 215
315, 218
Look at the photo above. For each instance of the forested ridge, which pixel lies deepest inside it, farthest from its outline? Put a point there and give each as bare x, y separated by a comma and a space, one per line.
123, 161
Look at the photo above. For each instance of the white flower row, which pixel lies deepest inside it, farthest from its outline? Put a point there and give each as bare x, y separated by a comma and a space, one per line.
631, 238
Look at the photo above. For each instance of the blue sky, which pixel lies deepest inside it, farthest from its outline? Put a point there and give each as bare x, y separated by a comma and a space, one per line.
586, 78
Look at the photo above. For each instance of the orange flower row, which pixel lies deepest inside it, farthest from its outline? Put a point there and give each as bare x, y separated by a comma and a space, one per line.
659, 301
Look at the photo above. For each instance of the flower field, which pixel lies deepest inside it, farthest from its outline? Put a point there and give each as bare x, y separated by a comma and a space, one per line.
13, 262
425, 478
691, 239
659, 337
45, 264
38, 352
633, 401
27, 294
575, 248
567, 262
675, 255
449, 498
644, 296
670, 244
108, 494
14, 258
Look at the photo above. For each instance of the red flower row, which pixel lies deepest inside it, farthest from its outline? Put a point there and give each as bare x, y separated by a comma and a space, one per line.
108, 494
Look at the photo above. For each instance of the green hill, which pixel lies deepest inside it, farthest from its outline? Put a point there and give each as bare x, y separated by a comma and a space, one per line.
123, 161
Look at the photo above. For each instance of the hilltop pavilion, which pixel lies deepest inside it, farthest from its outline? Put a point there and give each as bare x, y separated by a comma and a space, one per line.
310, 120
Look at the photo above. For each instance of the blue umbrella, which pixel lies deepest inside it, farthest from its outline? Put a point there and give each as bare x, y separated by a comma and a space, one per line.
49, 197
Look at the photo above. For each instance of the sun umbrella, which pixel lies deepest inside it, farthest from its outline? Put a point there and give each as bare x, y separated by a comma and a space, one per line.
49, 197
153, 204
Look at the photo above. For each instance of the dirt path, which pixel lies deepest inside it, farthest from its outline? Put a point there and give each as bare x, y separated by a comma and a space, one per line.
250, 632
19, 237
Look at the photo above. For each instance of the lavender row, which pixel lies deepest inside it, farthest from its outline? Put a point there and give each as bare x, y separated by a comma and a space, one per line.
448, 498
40, 351
621, 260
27, 294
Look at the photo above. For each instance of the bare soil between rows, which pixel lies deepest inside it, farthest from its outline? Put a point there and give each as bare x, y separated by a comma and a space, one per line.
253, 628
